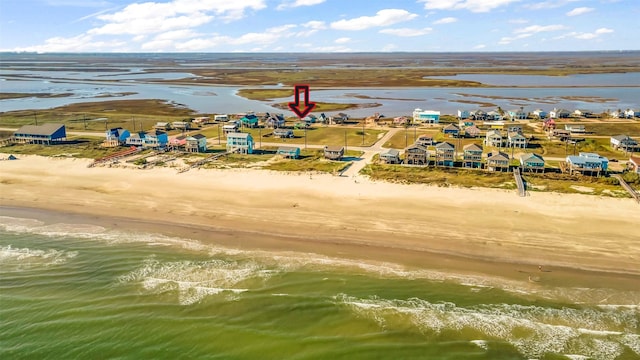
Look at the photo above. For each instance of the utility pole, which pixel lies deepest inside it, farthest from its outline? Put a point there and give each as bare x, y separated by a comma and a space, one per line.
219, 140
305, 138
345, 141
35, 116
260, 136
363, 122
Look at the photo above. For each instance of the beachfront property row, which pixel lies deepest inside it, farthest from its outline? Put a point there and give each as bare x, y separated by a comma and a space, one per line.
521, 114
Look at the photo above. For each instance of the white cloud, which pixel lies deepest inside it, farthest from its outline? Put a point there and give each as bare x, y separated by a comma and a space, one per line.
508, 40
538, 28
331, 49
298, 3
579, 11
389, 47
518, 21
471, 5
384, 17
342, 40
447, 20
314, 24
78, 43
593, 35
406, 32
479, 46
551, 4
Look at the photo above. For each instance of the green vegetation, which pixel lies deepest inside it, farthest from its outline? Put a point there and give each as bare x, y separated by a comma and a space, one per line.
612, 128
322, 106
6, 96
439, 176
99, 115
556, 182
311, 160
77, 147
320, 135
265, 94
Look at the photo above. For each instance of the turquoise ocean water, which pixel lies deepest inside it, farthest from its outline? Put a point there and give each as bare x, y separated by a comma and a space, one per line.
90, 292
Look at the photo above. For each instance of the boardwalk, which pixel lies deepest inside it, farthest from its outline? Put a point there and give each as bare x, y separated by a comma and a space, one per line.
522, 191
634, 194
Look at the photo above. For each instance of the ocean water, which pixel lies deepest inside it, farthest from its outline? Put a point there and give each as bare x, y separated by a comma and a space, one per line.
87, 291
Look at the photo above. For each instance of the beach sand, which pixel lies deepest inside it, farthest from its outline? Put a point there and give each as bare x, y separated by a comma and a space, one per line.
578, 240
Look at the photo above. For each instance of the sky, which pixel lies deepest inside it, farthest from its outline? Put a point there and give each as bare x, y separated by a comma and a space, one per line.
318, 25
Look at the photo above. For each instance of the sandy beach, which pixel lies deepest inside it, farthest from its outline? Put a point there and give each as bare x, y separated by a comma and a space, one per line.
481, 231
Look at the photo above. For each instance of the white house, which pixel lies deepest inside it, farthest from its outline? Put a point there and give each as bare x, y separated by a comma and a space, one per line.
221, 118
516, 140
426, 116
517, 114
493, 138
559, 114
575, 128
463, 114
540, 114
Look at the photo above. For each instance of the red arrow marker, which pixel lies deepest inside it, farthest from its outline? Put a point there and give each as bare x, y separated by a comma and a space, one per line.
307, 105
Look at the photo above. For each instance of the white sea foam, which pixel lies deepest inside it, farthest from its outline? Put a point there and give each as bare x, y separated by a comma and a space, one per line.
533, 330
195, 280
481, 344
26, 256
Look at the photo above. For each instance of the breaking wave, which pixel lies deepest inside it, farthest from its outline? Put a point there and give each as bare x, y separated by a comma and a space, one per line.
192, 281
532, 330
27, 257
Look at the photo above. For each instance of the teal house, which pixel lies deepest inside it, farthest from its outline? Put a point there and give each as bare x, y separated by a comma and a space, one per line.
250, 120
240, 142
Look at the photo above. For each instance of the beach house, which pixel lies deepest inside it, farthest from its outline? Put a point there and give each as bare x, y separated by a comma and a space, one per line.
587, 163
624, 143
45, 134
426, 116
250, 120
424, 140
162, 126
221, 118
240, 142
201, 120
416, 155
480, 115
463, 114
472, 156
274, 120
516, 140
540, 114
575, 128
230, 128
400, 120
583, 113
390, 156
511, 127
283, 133
452, 130
445, 153
334, 152
471, 131
559, 113
196, 143
493, 138
532, 162
291, 152
517, 114
634, 164
116, 137
497, 161
148, 139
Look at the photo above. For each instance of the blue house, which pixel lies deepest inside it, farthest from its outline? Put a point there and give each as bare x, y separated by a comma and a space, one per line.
41, 134
289, 152
151, 139
241, 142
452, 130
116, 137
426, 116
587, 163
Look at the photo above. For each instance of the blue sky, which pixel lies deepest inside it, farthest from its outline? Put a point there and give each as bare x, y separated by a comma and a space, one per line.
318, 25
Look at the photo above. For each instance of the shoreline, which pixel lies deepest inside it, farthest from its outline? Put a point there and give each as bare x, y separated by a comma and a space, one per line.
412, 225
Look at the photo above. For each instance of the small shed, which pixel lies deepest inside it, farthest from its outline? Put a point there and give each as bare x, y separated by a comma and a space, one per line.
291, 152
334, 152
390, 156
283, 133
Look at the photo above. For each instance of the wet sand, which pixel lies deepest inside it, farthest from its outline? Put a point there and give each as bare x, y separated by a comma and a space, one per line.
580, 240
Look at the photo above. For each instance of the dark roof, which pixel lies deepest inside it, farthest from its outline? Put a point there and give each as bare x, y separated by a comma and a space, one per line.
199, 136
497, 155
415, 146
334, 148
451, 127
529, 156
44, 129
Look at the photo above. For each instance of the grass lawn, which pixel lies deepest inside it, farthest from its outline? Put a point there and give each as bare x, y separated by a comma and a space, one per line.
320, 135
611, 128
311, 160
560, 149
77, 147
118, 113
